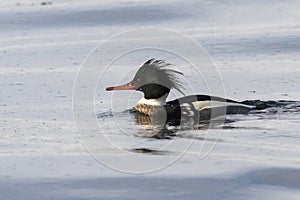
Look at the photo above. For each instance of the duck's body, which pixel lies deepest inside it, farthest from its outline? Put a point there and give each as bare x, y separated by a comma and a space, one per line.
203, 106
156, 81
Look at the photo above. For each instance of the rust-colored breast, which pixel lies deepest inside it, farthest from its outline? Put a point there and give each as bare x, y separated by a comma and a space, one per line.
145, 109
158, 112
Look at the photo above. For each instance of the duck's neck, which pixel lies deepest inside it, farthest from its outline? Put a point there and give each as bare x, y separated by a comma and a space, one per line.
154, 102
145, 105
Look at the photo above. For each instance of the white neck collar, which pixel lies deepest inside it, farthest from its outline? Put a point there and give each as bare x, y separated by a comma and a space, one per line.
154, 102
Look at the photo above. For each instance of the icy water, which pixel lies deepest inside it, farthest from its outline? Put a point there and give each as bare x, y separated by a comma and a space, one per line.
44, 154
265, 121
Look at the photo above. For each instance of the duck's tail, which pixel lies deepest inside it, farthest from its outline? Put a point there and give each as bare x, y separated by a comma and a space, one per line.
282, 104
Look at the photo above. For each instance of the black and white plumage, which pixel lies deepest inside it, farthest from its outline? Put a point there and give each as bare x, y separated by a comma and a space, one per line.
155, 78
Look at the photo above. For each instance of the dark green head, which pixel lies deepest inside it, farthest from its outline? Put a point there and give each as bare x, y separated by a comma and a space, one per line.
154, 79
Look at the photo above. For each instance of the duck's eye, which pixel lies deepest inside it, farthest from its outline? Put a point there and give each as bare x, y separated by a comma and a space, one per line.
138, 80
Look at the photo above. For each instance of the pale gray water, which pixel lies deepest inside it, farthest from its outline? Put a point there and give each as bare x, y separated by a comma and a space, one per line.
255, 47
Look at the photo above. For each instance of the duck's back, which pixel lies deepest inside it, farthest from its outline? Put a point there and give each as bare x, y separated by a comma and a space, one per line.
206, 106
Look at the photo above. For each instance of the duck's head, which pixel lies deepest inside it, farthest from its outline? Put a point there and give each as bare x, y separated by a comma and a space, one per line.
154, 78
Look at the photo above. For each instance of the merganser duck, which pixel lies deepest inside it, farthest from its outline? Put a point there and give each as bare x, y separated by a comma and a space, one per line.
155, 79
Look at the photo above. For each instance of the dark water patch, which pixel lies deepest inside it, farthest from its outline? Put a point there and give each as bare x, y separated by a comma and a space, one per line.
242, 128
119, 15
255, 45
260, 181
289, 178
148, 151
195, 137
281, 105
